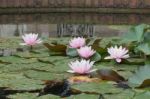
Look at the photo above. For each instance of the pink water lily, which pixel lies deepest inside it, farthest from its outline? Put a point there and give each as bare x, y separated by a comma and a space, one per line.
81, 67
77, 42
31, 39
117, 53
86, 52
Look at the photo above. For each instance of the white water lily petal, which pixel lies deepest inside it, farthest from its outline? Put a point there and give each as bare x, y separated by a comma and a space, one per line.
31, 39
117, 53
23, 44
77, 42
81, 67
86, 52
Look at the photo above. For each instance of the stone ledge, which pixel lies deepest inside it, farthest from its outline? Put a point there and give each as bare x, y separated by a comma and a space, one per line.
68, 10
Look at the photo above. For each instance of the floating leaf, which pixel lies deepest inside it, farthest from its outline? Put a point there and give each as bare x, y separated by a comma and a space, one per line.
134, 61
96, 46
136, 33
143, 95
45, 75
96, 57
72, 52
141, 77
30, 55
32, 96
147, 37
97, 87
19, 82
145, 48
126, 94
23, 96
85, 96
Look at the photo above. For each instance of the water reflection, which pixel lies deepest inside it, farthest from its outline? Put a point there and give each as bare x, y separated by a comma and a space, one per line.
69, 24
60, 30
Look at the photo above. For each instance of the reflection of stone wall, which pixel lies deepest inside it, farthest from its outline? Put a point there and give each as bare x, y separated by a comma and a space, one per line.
60, 30
75, 29
45, 30
77, 3
7, 30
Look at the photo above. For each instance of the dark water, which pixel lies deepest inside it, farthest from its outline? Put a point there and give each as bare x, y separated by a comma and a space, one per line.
69, 24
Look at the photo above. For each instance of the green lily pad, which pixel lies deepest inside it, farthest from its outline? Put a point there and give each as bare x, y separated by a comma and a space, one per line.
101, 87
84, 96
144, 95
96, 57
29, 55
72, 52
126, 94
32, 96
136, 33
140, 76
39, 75
145, 48
17, 60
19, 82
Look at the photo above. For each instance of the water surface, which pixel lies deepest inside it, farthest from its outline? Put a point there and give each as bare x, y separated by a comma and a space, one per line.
69, 24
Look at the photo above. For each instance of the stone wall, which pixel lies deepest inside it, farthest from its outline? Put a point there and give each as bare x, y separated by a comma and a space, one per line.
76, 18
76, 3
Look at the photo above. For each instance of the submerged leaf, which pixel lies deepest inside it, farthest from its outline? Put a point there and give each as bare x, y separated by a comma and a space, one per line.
108, 74
79, 79
60, 88
56, 48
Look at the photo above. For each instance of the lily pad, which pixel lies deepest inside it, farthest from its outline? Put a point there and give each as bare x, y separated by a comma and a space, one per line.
140, 76
144, 95
101, 87
84, 96
72, 52
126, 94
145, 48
19, 82
96, 57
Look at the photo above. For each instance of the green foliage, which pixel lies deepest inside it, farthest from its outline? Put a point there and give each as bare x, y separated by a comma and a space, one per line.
72, 52
139, 35
96, 57
143, 95
101, 87
145, 48
29, 69
137, 80
136, 33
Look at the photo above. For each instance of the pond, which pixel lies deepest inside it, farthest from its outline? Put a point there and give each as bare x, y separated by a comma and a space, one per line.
65, 24
111, 60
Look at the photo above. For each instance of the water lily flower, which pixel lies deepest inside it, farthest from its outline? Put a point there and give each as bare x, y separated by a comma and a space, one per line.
81, 67
117, 53
31, 39
86, 52
77, 42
